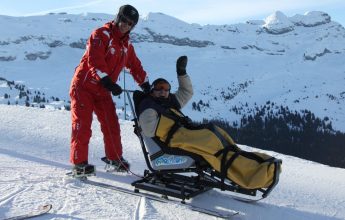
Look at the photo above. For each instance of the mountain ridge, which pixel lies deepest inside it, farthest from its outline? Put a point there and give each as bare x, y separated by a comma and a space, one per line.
294, 61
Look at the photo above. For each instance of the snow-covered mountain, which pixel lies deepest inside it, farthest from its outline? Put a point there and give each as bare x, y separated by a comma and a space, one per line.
34, 152
295, 62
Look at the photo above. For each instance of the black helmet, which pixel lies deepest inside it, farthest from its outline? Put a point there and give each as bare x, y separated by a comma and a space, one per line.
129, 12
158, 82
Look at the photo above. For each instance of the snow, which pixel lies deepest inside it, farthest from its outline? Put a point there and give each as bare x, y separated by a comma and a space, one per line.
34, 152
278, 23
282, 59
312, 18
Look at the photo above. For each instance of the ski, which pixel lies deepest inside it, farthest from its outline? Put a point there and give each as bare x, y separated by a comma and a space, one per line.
81, 177
164, 200
246, 200
41, 210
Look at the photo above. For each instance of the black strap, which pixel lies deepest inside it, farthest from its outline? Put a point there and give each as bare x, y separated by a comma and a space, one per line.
257, 158
276, 163
224, 142
156, 155
179, 122
222, 167
226, 164
225, 167
182, 119
171, 132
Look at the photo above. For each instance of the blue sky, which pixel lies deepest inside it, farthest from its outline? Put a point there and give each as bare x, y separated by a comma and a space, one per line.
191, 11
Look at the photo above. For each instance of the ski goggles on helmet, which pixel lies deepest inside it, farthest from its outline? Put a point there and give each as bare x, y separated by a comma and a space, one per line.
123, 19
162, 86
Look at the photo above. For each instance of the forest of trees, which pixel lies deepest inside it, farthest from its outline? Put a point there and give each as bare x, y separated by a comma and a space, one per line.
295, 133
29, 97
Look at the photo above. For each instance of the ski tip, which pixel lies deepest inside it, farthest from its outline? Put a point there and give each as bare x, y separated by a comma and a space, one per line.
36, 212
46, 207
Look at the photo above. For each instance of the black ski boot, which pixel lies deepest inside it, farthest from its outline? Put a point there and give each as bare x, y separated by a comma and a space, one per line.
82, 170
121, 165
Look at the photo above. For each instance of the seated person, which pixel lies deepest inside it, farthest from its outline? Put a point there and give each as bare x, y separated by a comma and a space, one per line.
161, 119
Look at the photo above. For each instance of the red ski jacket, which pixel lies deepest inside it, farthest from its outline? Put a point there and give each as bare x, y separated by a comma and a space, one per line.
107, 53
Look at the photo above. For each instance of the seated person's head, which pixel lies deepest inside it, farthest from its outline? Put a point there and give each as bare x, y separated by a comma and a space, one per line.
160, 88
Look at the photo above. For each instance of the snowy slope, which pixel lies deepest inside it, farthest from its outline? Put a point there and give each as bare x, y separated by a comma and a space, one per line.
293, 61
34, 152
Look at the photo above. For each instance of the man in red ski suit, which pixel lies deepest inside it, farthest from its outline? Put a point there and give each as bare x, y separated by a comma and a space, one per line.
108, 52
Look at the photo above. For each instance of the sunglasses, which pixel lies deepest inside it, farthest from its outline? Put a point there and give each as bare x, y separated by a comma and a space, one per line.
162, 86
123, 19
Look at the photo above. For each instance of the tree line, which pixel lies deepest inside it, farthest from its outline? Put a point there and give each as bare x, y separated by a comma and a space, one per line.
299, 134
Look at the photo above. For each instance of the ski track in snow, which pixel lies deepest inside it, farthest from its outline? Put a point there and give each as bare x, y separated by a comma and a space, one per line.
33, 164
145, 210
6, 198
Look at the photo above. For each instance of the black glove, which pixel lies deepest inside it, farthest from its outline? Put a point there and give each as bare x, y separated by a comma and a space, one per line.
181, 65
114, 88
146, 87
107, 83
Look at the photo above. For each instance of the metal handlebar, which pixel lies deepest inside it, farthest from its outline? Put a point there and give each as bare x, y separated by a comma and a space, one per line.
127, 90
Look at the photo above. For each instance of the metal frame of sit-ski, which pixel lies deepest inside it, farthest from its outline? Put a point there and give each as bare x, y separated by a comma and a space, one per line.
188, 175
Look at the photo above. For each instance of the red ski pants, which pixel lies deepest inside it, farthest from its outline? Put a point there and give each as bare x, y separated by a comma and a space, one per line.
83, 104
